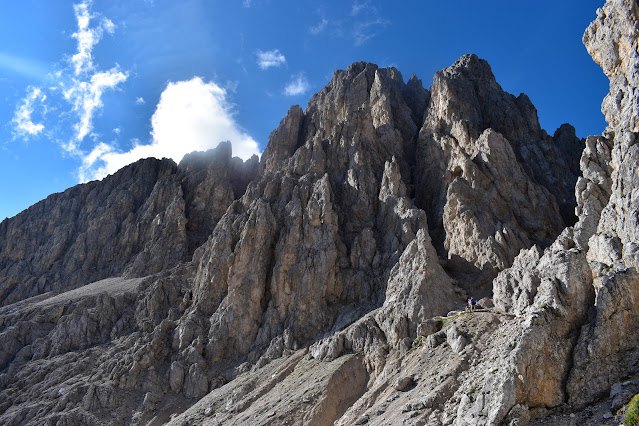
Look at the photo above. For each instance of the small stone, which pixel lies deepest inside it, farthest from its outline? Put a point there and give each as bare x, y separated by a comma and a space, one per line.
176, 377
362, 420
428, 327
403, 383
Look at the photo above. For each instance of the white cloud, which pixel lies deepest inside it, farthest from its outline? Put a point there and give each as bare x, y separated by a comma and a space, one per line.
191, 116
317, 29
87, 37
297, 86
271, 58
86, 97
108, 25
23, 125
77, 90
87, 85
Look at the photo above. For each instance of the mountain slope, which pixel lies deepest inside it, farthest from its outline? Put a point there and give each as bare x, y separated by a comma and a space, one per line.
320, 285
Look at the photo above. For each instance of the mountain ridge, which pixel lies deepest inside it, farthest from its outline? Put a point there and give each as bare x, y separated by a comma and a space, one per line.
322, 283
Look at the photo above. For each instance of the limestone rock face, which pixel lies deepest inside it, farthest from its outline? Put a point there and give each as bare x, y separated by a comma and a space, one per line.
89, 232
417, 290
145, 218
485, 167
551, 295
605, 236
607, 349
289, 137
593, 187
498, 208
324, 226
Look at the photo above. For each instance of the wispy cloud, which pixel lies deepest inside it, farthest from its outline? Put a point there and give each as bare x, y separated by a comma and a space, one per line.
87, 36
231, 86
140, 101
270, 58
87, 85
23, 125
76, 89
297, 86
319, 27
108, 25
366, 30
191, 115
86, 97
359, 7
360, 21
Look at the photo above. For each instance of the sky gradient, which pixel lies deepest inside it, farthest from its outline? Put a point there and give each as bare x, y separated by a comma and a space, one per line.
88, 87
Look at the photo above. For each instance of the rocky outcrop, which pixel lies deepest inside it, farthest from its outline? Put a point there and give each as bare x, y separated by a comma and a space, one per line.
551, 295
593, 187
607, 349
323, 227
485, 167
145, 218
83, 235
604, 346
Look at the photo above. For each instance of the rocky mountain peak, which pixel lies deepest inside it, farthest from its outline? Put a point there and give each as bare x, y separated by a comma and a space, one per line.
467, 109
471, 67
322, 284
143, 219
220, 156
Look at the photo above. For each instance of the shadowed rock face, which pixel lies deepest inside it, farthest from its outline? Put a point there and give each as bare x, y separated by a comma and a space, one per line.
490, 179
145, 218
334, 260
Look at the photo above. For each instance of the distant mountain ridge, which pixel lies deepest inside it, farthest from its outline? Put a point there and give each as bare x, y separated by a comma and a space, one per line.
145, 218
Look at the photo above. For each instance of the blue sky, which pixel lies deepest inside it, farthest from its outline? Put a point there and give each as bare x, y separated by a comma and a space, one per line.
88, 87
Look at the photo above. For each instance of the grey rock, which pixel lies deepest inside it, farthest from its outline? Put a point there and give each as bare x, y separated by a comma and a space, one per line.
593, 188
143, 219
486, 303
466, 147
456, 340
515, 288
403, 383
428, 327
195, 384
362, 420
607, 347
176, 377
436, 339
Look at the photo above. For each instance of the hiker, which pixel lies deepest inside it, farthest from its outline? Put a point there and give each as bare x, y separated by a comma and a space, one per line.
468, 305
472, 302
